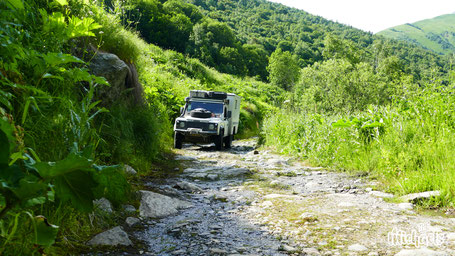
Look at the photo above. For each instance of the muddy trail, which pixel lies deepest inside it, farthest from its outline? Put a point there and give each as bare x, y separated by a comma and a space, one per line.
244, 201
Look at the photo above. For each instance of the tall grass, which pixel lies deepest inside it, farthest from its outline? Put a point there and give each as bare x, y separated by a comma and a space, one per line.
409, 145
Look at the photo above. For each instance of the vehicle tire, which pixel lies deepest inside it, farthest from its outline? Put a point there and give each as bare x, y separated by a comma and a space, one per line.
219, 141
178, 140
228, 141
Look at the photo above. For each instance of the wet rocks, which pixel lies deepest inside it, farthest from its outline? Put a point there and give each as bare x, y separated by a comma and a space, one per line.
154, 205
287, 248
132, 222
236, 172
216, 173
217, 251
113, 237
188, 186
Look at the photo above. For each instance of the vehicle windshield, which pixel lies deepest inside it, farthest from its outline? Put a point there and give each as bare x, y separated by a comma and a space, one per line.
216, 108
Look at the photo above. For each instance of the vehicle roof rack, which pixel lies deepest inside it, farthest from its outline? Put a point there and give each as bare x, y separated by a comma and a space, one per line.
208, 95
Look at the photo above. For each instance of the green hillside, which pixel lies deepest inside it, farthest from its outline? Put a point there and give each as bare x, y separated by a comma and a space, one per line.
437, 34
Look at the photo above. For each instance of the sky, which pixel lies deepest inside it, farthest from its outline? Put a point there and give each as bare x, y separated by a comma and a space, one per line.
374, 15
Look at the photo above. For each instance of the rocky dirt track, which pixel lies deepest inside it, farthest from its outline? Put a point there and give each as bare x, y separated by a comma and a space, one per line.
247, 202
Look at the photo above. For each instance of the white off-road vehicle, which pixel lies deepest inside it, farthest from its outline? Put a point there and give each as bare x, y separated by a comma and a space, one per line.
208, 117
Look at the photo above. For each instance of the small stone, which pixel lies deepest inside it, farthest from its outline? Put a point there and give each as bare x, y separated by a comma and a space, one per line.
373, 254
155, 205
129, 170
368, 189
357, 248
212, 176
103, 204
220, 198
216, 227
406, 206
287, 248
308, 217
188, 186
275, 183
217, 251
179, 252
129, 208
420, 252
241, 249
310, 252
256, 152
132, 221
184, 158
112, 237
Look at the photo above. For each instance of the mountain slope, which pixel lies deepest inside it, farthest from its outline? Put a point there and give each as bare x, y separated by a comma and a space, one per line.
437, 34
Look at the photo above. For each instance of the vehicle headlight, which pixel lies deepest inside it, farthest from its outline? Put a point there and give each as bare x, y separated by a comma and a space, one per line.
181, 124
212, 126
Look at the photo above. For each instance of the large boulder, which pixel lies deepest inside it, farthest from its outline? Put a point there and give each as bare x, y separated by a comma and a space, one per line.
113, 237
154, 205
115, 71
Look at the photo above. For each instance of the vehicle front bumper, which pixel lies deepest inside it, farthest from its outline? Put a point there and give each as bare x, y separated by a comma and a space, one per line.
196, 132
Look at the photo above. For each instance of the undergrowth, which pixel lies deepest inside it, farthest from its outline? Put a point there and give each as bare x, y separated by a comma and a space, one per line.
409, 145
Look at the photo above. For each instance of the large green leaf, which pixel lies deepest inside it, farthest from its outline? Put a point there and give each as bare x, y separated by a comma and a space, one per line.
62, 2
10, 176
29, 188
57, 59
76, 187
15, 4
45, 232
8, 131
73, 162
342, 123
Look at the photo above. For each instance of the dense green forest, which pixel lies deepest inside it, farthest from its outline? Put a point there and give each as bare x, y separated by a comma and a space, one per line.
319, 90
436, 34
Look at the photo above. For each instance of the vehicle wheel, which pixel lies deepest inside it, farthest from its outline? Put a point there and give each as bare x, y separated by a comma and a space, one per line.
178, 140
219, 140
228, 141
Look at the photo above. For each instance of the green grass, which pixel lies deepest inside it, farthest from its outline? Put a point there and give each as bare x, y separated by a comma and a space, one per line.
436, 34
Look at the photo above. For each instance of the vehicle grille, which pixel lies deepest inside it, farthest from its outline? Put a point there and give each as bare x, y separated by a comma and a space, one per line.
203, 126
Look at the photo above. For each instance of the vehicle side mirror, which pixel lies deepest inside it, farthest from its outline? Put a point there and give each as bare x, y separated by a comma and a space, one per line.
229, 114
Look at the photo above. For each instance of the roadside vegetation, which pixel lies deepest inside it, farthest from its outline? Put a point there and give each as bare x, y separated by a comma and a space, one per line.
341, 98
340, 120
